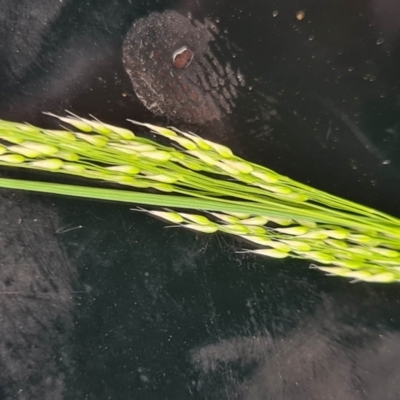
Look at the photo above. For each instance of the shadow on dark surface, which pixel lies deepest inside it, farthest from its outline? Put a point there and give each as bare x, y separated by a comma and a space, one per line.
100, 302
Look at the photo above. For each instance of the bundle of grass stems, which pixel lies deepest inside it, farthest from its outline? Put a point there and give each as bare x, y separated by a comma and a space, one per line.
217, 191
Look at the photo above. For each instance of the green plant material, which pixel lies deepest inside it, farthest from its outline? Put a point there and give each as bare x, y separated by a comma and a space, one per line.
284, 218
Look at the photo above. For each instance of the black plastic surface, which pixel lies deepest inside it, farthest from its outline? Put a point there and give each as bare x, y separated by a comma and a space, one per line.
101, 302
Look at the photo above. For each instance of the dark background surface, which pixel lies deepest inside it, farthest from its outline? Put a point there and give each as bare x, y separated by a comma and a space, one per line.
100, 302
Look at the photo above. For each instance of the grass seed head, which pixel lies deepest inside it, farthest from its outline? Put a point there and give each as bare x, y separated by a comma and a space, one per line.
332, 270
42, 148
360, 275
201, 143
281, 221
234, 229
194, 166
318, 256
337, 233
339, 244
137, 146
24, 151
163, 187
74, 168
275, 189
296, 244
262, 240
51, 164
186, 143
267, 177
361, 239
242, 167
239, 215
226, 218
385, 252
348, 264
126, 169
12, 139
271, 253
163, 178
95, 140
306, 223
12, 158
66, 155
63, 135
169, 216
158, 155
122, 132
258, 220
222, 150
201, 228
203, 157
197, 219
227, 168
294, 230
316, 235
122, 179
168, 133
97, 126
24, 128
360, 251
256, 230
384, 277
297, 197
77, 123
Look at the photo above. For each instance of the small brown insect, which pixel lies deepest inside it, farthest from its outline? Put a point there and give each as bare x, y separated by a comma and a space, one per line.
182, 57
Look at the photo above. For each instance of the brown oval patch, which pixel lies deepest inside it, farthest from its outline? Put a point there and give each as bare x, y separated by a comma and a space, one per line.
182, 57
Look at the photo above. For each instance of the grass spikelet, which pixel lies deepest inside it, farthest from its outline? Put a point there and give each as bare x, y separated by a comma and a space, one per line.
266, 176
201, 228
12, 158
254, 221
169, 216
45, 149
295, 231
268, 252
24, 151
51, 164
157, 155
197, 219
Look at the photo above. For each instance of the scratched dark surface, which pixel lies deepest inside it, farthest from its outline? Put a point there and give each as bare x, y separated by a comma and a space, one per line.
101, 302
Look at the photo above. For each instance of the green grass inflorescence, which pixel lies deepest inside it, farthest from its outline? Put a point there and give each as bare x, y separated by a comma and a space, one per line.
282, 217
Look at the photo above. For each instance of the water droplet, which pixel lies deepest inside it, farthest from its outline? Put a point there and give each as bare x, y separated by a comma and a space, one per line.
311, 37
184, 88
275, 13
369, 77
386, 162
380, 41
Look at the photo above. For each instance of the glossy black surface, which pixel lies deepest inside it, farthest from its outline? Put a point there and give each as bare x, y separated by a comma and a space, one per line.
100, 302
